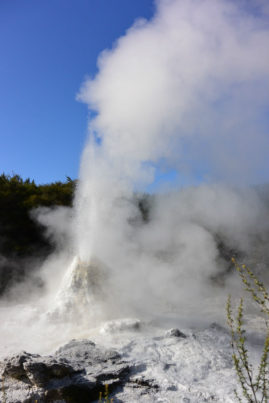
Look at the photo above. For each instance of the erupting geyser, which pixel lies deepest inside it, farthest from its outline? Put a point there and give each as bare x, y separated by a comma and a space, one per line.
185, 93
183, 97
177, 93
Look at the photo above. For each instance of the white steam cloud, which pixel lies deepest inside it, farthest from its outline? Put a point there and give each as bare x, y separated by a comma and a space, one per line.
187, 91
190, 86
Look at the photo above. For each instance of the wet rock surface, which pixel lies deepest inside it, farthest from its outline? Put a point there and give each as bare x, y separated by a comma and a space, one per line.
174, 332
188, 365
76, 373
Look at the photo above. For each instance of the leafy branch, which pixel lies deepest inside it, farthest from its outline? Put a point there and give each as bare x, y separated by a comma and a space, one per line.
254, 385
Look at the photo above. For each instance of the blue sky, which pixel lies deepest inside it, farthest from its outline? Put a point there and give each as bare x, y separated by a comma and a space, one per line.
47, 49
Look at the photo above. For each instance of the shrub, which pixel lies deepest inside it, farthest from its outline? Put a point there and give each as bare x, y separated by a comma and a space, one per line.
254, 383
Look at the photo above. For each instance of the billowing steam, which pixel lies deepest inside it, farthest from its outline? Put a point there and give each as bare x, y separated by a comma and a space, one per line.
188, 89
186, 92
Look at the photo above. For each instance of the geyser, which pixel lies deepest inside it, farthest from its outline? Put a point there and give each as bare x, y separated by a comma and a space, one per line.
176, 93
81, 289
185, 92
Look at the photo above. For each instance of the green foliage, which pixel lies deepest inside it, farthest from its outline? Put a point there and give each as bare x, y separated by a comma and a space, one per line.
22, 238
19, 234
106, 398
254, 384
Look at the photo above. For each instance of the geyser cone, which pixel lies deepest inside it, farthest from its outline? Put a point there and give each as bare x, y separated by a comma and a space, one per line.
81, 291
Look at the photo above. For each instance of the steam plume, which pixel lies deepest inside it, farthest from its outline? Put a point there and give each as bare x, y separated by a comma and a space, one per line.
188, 92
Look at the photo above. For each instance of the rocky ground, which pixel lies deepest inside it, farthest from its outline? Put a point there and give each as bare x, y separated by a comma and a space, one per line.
138, 366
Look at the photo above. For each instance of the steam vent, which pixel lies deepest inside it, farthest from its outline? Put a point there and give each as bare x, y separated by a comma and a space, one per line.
82, 288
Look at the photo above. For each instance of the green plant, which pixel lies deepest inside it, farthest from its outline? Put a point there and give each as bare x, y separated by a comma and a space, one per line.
106, 396
254, 384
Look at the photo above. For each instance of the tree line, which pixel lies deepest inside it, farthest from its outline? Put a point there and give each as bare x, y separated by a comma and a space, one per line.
22, 237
